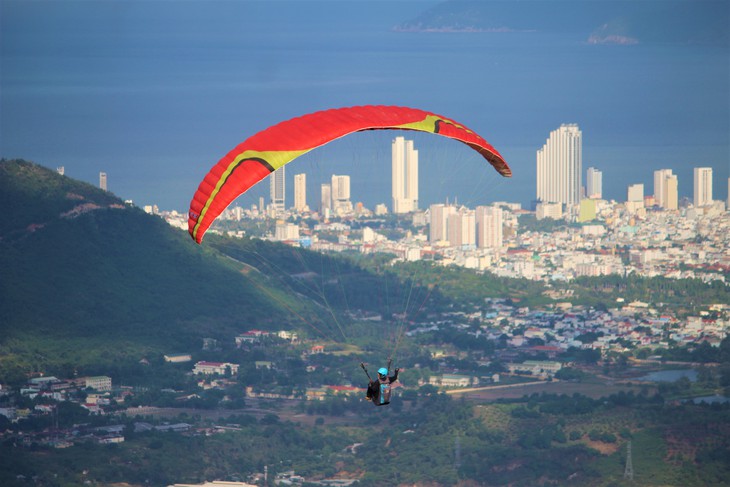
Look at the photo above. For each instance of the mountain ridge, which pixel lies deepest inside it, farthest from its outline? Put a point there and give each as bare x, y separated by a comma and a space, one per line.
83, 269
596, 22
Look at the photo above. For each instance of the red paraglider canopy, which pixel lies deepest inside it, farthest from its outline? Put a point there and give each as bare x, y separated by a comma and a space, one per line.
268, 150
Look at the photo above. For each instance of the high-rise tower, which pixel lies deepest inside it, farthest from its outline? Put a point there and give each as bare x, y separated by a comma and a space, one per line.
594, 183
665, 189
559, 166
670, 198
325, 202
489, 227
341, 194
462, 227
405, 176
703, 186
660, 186
277, 189
102, 181
439, 230
635, 193
300, 192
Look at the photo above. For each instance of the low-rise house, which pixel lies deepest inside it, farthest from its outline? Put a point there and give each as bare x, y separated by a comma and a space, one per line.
345, 390
92, 408
98, 383
43, 383
452, 380
539, 368
109, 439
8, 413
211, 368
178, 358
246, 338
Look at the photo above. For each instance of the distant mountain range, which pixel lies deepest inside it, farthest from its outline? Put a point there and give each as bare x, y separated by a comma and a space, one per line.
595, 22
85, 274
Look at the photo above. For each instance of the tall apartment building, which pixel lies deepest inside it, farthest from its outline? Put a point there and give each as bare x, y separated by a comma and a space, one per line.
462, 227
670, 197
635, 193
660, 186
277, 189
594, 183
405, 176
489, 227
300, 192
559, 166
438, 229
325, 202
702, 186
341, 194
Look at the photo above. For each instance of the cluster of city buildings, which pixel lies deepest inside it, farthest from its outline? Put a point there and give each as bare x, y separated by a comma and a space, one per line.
651, 233
625, 327
92, 393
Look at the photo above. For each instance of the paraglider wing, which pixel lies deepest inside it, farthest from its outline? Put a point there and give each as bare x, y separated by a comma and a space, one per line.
261, 154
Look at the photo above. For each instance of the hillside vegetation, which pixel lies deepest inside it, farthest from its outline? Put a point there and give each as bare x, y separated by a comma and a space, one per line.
86, 277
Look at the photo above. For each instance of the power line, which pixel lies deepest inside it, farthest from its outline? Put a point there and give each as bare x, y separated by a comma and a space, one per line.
629, 470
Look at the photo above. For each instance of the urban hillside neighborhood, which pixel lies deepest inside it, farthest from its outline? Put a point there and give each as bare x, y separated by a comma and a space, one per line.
548, 356
501, 343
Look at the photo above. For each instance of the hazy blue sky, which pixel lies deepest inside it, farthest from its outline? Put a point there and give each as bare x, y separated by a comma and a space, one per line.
155, 92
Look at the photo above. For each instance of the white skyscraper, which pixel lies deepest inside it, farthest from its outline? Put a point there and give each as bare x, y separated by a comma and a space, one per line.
325, 204
660, 186
670, 198
703, 186
341, 194
462, 227
560, 166
300, 192
438, 230
340, 187
594, 183
405, 176
635, 193
489, 227
277, 187
102, 181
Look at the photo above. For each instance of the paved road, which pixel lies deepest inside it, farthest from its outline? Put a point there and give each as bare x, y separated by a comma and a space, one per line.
502, 386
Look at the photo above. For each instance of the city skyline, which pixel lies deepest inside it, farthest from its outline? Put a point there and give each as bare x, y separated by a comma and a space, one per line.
562, 152
336, 194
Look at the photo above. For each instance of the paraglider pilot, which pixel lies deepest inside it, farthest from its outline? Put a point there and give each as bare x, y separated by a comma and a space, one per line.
379, 389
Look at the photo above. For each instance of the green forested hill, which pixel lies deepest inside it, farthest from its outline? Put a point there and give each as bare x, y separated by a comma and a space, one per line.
86, 277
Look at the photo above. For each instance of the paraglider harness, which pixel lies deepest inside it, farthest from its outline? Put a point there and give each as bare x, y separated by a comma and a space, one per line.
382, 398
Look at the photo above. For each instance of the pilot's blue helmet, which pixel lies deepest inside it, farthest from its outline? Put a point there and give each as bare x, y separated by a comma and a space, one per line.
383, 371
